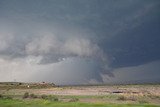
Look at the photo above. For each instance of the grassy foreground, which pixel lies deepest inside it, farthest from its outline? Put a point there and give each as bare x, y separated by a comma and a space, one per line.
19, 95
46, 103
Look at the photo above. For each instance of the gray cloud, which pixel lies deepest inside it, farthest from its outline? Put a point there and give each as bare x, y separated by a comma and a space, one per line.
49, 56
144, 73
50, 44
70, 42
70, 71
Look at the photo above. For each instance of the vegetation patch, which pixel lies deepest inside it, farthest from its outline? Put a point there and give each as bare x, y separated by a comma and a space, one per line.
46, 103
143, 101
1, 96
26, 95
33, 96
122, 98
74, 99
50, 97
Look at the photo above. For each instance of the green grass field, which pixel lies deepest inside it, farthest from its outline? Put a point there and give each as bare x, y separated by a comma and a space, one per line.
46, 103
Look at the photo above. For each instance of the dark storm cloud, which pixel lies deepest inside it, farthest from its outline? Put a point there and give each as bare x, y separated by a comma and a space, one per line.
69, 38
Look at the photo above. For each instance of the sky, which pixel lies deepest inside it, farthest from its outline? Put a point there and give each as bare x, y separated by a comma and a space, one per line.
70, 42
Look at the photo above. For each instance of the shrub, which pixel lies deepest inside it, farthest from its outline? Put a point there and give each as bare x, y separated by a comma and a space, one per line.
7, 97
132, 98
8, 89
123, 98
26, 95
55, 99
33, 96
142, 101
74, 100
154, 96
1, 96
44, 96
51, 98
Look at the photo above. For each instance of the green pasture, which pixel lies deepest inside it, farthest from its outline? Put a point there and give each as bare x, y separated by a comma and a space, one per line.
46, 103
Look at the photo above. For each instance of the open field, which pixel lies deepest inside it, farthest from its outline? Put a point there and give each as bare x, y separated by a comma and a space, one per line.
44, 103
13, 95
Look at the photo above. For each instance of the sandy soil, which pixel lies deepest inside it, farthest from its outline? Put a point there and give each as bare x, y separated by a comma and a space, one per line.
96, 90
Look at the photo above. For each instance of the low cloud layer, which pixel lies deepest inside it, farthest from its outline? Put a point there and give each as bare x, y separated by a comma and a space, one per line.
70, 71
46, 57
71, 47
